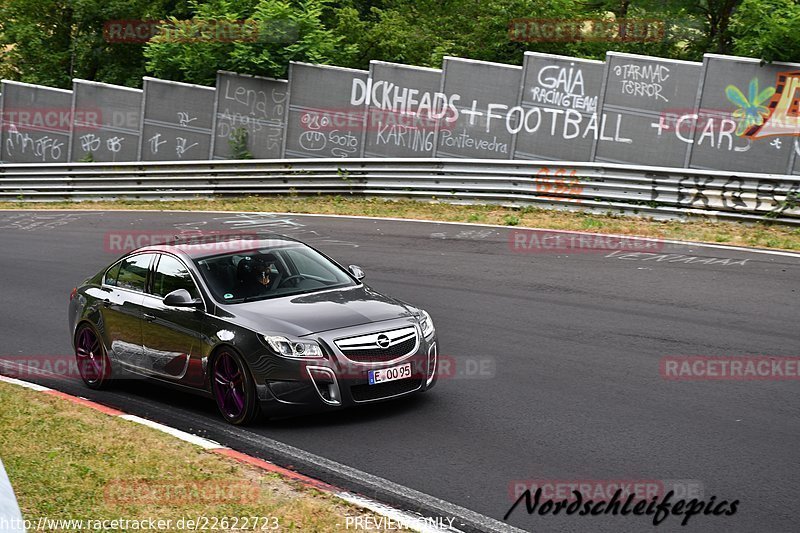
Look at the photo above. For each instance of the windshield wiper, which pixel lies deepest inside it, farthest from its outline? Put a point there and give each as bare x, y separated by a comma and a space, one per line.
253, 298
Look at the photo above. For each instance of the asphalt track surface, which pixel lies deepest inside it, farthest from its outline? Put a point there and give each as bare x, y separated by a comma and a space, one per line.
570, 390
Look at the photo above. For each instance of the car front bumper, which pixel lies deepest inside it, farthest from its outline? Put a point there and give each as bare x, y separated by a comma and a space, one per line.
291, 386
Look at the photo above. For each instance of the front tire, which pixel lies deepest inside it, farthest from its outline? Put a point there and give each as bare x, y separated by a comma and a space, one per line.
94, 365
233, 388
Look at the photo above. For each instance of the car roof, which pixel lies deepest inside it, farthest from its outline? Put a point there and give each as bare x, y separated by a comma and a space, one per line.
210, 244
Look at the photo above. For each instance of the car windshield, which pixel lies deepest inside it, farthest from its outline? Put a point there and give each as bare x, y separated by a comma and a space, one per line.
270, 273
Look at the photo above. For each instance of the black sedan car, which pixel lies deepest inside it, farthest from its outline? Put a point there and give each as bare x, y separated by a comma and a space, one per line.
259, 323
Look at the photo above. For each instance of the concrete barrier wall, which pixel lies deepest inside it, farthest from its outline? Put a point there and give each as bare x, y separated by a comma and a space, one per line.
726, 113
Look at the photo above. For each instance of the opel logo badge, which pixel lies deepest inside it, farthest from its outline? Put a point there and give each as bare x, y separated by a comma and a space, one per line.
383, 341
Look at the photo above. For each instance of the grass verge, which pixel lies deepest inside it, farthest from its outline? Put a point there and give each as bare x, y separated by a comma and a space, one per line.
762, 235
66, 461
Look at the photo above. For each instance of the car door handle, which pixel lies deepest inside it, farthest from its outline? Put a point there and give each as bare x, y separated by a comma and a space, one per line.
149, 318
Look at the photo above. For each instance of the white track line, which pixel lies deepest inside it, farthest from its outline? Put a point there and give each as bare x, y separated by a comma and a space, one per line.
27, 385
425, 221
177, 433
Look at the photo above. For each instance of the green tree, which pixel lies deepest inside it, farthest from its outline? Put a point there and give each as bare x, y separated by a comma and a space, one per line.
36, 38
767, 29
278, 31
718, 14
421, 32
52, 41
712, 19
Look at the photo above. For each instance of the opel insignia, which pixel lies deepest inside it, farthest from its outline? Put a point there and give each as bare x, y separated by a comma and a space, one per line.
261, 324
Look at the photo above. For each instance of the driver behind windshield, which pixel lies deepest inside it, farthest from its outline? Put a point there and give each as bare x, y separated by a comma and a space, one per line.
254, 276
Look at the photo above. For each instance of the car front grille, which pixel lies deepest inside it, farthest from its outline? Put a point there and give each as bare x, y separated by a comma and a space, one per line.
366, 393
366, 348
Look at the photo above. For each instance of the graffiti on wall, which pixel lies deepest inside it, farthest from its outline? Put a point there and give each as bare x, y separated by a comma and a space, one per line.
43, 147
767, 112
750, 111
726, 193
781, 115
556, 86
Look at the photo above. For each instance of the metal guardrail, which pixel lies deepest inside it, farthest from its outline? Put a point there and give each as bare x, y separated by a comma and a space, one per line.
598, 187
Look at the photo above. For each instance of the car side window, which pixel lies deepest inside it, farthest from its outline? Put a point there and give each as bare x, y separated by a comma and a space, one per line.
133, 272
111, 274
171, 274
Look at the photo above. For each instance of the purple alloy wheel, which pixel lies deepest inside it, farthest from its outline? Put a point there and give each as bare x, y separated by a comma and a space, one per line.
229, 387
92, 363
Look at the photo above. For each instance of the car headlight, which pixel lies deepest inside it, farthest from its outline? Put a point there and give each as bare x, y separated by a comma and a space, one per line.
426, 324
293, 348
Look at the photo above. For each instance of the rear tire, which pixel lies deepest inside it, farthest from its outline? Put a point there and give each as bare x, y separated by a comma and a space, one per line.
94, 365
233, 388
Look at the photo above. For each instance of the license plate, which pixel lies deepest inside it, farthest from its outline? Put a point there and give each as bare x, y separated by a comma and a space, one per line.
390, 374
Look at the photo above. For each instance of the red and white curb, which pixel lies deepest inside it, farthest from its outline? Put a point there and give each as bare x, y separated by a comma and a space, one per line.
400, 519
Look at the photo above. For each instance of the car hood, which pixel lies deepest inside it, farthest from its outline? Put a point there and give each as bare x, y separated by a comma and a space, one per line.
305, 314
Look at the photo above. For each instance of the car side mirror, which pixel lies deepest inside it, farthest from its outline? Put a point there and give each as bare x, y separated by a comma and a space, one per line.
181, 298
357, 272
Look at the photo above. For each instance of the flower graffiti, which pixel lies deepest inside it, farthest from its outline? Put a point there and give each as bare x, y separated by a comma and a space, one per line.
751, 111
